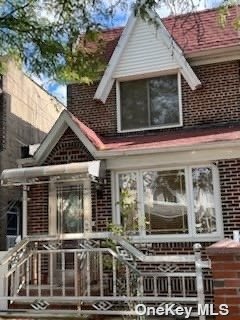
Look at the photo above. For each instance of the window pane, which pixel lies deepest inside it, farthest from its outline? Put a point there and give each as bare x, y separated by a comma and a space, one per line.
12, 223
13, 220
164, 100
70, 209
134, 109
128, 201
204, 207
165, 202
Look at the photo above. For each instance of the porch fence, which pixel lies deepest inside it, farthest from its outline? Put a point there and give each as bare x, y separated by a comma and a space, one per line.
96, 275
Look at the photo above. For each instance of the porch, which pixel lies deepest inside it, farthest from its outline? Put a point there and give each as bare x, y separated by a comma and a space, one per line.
94, 274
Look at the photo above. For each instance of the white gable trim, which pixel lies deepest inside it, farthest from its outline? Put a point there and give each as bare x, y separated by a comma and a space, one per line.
107, 80
63, 122
177, 53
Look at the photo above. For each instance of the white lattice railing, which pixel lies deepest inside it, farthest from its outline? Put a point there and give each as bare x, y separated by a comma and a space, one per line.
95, 275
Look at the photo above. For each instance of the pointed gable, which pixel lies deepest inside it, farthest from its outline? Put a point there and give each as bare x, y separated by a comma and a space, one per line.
68, 149
67, 121
142, 50
144, 53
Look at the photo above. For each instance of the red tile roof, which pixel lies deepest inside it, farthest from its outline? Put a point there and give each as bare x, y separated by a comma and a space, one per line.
192, 137
162, 140
201, 31
193, 32
88, 132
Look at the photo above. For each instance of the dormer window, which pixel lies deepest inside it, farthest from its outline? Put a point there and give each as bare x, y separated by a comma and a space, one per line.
151, 103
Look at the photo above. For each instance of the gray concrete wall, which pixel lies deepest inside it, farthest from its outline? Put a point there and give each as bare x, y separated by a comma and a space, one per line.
27, 114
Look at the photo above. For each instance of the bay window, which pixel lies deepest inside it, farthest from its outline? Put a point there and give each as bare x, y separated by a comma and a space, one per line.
182, 202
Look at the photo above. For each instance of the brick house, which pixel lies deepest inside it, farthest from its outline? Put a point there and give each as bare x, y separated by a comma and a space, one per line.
152, 147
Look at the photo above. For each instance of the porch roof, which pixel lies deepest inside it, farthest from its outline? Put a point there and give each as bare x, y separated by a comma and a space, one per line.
162, 140
103, 148
190, 137
28, 175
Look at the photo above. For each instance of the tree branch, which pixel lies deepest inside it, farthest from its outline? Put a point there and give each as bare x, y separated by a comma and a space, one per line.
11, 13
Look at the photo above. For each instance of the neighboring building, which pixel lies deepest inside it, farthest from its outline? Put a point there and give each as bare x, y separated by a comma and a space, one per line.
163, 123
27, 113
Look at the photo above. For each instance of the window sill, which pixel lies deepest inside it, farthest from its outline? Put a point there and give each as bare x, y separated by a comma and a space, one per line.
175, 238
150, 128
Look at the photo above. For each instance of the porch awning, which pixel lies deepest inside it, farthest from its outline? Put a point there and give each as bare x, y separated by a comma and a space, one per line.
20, 176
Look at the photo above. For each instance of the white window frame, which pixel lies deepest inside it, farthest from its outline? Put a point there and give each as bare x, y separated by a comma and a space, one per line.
192, 235
52, 205
118, 97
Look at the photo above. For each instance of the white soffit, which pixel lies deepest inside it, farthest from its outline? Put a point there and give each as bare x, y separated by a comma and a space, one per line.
144, 48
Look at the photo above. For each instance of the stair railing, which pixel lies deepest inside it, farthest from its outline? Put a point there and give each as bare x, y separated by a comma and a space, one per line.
106, 259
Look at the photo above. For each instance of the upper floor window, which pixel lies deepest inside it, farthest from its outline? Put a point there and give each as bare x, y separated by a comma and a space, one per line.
150, 103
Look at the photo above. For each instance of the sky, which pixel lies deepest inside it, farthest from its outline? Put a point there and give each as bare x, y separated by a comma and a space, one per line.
59, 91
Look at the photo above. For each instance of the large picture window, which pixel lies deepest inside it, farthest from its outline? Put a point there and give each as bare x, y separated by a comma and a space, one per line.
150, 103
180, 202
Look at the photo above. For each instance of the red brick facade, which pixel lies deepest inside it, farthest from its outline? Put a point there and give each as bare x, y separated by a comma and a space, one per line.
69, 149
216, 103
225, 257
38, 209
229, 172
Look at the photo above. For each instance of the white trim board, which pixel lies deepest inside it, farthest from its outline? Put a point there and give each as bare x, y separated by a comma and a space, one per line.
121, 158
176, 158
174, 50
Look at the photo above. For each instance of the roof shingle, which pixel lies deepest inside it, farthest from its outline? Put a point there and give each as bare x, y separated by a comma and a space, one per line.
193, 32
193, 137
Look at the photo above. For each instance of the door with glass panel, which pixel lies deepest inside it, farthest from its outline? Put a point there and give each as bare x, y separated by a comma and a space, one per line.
70, 208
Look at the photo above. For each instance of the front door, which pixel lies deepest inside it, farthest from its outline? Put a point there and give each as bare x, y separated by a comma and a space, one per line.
70, 208
69, 214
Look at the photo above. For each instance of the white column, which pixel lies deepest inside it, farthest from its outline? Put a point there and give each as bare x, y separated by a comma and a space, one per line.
3, 283
24, 211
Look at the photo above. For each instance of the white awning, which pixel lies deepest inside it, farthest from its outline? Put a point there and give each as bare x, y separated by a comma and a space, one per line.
20, 176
